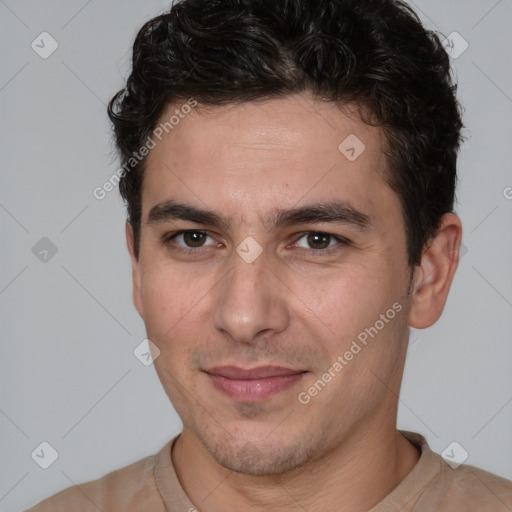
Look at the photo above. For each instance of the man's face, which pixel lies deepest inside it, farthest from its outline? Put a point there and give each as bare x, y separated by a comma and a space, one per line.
318, 283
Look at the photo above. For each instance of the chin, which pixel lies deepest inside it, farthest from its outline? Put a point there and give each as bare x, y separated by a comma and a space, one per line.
261, 455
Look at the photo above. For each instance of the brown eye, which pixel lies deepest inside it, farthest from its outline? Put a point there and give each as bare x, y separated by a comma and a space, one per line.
319, 240
194, 238
189, 239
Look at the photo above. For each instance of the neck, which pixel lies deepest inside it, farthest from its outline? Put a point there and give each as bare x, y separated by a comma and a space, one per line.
354, 476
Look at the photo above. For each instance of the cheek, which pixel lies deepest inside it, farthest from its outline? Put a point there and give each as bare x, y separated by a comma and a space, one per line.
347, 298
170, 300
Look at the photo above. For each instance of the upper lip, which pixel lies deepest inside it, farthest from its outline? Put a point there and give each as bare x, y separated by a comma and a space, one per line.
260, 372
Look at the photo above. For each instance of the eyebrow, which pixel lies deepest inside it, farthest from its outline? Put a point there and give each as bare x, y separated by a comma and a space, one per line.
339, 212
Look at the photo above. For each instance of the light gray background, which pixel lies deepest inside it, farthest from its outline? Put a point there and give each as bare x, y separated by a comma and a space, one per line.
67, 372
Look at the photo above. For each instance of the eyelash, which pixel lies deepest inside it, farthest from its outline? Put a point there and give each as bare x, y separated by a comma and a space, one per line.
316, 252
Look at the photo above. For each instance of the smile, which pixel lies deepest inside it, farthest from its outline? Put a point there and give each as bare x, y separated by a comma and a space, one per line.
253, 385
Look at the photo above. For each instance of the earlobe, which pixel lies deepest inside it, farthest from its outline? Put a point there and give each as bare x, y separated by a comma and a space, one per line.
136, 279
434, 275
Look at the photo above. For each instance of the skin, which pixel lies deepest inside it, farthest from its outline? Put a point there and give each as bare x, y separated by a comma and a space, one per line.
298, 305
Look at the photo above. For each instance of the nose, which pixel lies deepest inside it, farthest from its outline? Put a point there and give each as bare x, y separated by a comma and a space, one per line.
250, 302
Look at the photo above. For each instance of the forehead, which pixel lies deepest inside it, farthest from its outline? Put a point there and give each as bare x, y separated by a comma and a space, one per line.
250, 157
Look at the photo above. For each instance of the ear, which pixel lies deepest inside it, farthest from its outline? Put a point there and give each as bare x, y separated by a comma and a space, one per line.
433, 276
136, 278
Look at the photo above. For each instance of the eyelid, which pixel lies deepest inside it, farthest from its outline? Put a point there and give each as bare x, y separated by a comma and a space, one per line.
340, 239
171, 236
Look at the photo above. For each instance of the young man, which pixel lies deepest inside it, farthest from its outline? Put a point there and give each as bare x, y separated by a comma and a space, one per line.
289, 171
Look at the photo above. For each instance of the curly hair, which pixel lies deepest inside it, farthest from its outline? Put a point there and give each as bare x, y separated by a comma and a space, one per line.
375, 53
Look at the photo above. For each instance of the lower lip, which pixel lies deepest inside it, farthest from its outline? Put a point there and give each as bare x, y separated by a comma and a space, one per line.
255, 390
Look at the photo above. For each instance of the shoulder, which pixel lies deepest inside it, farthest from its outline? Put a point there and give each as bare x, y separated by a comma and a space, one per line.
435, 484
474, 488
131, 487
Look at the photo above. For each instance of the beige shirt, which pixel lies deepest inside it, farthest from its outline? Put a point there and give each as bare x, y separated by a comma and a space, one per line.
151, 485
